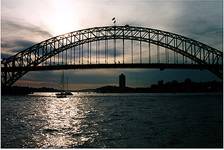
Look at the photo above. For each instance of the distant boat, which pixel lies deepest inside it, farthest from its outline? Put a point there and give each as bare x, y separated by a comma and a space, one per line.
63, 93
68, 93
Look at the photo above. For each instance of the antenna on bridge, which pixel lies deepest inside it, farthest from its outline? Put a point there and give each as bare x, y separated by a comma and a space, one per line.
114, 21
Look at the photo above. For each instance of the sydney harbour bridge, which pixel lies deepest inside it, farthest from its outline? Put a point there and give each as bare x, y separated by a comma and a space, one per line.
113, 47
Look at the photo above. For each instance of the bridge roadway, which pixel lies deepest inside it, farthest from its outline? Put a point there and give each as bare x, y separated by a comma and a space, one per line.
161, 66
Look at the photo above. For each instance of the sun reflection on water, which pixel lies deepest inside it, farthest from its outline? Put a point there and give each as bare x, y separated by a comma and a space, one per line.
65, 120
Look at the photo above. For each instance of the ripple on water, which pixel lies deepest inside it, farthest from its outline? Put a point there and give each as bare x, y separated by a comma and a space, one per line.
112, 120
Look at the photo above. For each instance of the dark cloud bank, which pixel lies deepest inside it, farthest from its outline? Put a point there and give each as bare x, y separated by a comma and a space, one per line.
15, 36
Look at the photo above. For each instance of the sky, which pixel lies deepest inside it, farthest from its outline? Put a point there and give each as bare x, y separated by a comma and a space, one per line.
28, 22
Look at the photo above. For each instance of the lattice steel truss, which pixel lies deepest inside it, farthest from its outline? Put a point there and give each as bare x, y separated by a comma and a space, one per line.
206, 57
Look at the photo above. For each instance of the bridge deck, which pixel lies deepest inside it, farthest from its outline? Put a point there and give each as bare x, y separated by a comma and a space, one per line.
160, 66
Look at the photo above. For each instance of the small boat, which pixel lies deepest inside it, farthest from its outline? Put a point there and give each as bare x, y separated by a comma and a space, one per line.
68, 93
61, 95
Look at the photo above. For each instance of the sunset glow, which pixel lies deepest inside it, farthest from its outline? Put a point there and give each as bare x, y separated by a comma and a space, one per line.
63, 18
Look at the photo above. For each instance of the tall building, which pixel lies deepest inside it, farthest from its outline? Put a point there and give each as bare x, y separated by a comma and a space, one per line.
122, 82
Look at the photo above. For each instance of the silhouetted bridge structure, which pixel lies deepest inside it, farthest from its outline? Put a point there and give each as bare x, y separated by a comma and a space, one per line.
113, 47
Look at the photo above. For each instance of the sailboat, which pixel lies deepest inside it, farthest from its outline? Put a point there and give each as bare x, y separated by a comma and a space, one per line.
62, 94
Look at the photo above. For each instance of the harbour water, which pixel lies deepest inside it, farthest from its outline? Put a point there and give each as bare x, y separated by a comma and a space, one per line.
112, 120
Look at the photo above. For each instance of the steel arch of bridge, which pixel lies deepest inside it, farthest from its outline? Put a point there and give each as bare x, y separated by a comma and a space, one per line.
29, 59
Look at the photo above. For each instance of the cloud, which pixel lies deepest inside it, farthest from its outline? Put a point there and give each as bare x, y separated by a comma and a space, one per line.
19, 29
202, 21
17, 35
23, 27
17, 45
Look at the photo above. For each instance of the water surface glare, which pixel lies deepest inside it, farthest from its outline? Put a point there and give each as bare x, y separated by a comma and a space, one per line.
112, 120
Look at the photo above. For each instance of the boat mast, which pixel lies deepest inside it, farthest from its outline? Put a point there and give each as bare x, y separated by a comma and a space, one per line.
62, 80
67, 83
